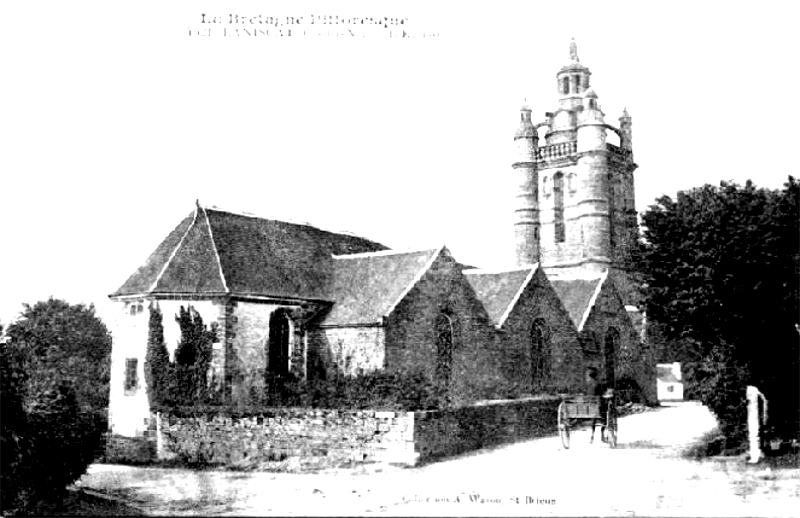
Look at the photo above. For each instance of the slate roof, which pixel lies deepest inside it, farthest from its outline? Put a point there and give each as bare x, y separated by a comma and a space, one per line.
665, 374
217, 252
367, 287
499, 291
578, 296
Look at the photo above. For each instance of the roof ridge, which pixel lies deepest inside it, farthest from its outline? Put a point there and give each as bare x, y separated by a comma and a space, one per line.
495, 271
246, 214
593, 300
174, 252
216, 251
380, 253
517, 296
416, 279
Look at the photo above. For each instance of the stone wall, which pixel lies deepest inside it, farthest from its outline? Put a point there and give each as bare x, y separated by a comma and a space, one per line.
345, 350
332, 438
444, 433
631, 360
411, 338
564, 355
324, 438
129, 407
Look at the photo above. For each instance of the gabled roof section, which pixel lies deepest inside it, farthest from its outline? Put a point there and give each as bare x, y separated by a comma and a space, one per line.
500, 291
578, 295
367, 287
217, 252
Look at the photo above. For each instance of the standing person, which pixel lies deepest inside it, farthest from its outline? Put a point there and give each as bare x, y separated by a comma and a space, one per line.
598, 390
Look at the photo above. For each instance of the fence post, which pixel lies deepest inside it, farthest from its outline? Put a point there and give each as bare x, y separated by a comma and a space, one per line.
159, 437
754, 421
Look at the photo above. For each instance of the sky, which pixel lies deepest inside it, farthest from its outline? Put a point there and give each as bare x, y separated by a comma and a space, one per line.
115, 118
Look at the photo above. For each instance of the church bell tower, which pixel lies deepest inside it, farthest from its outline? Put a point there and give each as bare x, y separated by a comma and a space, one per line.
574, 205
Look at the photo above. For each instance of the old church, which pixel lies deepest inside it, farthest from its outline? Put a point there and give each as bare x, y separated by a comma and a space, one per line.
290, 298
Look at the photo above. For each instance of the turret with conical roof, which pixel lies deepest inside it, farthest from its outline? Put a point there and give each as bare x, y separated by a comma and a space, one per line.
526, 209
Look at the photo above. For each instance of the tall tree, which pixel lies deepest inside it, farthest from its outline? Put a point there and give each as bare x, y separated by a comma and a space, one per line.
157, 367
62, 342
55, 365
721, 267
193, 357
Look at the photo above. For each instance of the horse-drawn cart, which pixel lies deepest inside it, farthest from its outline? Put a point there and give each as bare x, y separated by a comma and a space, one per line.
597, 409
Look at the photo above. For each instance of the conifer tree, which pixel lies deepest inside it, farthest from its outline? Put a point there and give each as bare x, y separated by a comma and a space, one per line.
157, 367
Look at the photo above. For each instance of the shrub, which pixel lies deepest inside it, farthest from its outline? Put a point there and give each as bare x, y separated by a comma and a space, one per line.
375, 390
54, 397
66, 440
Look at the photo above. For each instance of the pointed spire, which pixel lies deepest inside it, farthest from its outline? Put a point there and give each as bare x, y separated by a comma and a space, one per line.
625, 113
573, 51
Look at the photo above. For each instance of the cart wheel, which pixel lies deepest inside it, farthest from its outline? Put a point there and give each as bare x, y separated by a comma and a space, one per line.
563, 426
611, 427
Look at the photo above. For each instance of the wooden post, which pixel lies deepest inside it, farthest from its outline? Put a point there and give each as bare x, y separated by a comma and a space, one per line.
754, 422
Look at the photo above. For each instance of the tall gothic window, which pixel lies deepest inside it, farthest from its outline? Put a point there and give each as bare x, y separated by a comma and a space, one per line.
444, 351
131, 376
278, 346
558, 207
539, 353
610, 347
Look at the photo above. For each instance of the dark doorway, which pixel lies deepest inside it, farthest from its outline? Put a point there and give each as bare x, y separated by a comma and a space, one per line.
278, 345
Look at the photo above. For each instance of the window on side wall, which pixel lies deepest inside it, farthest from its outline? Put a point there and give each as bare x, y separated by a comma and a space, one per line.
131, 380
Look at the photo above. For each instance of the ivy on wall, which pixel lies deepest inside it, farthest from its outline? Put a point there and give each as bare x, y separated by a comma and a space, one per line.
184, 381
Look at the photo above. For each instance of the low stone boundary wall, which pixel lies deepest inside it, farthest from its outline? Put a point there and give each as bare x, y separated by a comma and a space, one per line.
327, 438
332, 438
450, 432
129, 450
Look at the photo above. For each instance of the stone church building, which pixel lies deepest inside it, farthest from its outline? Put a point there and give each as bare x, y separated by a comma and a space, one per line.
292, 299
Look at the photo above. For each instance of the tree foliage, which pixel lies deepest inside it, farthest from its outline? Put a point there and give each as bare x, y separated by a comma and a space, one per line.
721, 270
157, 366
60, 342
193, 357
55, 367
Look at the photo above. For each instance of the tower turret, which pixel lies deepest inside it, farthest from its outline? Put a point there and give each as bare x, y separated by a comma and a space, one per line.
626, 131
593, 204
576, 194
573, 79
526, 207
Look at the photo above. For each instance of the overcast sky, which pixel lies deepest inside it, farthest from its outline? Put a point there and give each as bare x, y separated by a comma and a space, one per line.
114, 120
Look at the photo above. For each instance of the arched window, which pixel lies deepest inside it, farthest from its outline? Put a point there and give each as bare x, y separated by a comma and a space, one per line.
444, 350
539, 353
278, 347
610, 347
564, 85
546, 186
558, 207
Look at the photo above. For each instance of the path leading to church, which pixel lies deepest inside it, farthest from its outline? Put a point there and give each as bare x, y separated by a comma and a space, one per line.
645, 475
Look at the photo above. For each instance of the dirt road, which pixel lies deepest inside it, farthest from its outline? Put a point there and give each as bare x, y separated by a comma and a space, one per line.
645, 475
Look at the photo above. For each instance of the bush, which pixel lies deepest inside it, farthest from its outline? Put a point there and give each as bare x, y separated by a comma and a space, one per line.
48, 448
375, 390
66, 440
54, 372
